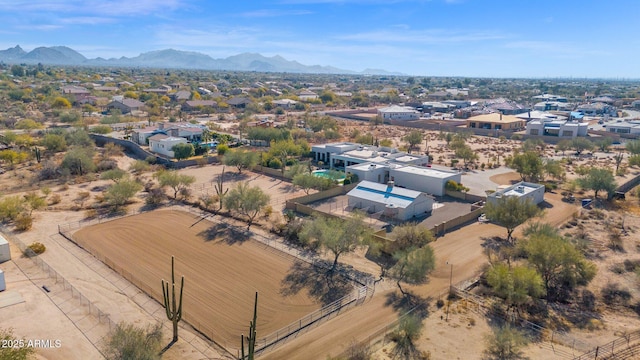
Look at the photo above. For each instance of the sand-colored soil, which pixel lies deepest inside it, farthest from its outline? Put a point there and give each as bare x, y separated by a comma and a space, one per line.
222, 273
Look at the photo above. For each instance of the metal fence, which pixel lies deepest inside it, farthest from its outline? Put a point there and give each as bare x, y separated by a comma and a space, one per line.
364, 289
85, 304
615, 349
355, 298
547, 336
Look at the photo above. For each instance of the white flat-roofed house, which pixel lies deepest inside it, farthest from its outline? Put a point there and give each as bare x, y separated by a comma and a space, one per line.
396, 112
418, 178
163, 144
423, 179
559, 128
389, 200
631, 127
284, 103
522, 190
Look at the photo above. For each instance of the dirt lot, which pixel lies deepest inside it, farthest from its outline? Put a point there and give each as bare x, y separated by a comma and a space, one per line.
222, 271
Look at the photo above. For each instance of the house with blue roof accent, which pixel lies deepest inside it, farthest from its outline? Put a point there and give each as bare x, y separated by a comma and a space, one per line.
390, 201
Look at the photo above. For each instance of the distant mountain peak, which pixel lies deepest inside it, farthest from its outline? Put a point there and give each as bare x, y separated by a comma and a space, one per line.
172, 58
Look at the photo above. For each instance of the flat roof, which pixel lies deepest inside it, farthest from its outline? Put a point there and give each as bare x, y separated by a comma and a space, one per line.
495, 118
384, 194
518, 190
425, 171
3, 240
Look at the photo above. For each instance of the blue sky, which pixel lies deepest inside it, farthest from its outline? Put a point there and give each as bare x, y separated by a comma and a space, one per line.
494, 38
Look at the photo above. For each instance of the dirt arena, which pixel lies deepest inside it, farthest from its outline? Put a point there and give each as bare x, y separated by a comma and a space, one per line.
222, 271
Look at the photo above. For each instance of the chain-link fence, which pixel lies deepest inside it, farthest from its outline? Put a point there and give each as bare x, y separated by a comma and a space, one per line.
95, 326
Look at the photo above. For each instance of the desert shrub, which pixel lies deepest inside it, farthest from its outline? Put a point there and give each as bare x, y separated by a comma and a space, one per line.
440, 303
91, 214
587, 300
101, 129
48, 170
37, 247
140, 166
55, 199
631, 265
267, 211
185, 193
615, 239
23, 222
107, 164
613, 295
516, 137
155, 197
150, 160
202, 161
222, 149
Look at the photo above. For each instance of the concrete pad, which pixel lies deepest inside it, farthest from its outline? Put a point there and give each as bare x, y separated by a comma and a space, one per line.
8, 298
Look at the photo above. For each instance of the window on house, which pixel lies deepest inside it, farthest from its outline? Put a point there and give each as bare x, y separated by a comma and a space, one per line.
534, 132
567, 133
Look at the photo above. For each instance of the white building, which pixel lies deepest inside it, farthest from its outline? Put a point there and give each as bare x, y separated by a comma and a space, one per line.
162, 144
522, 190
389, 200
424, 179
560, 128
5, 252
343, 154
396, 112
625, 127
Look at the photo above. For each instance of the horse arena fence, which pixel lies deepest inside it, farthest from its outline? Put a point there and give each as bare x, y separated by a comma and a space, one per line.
85, 304
363, 289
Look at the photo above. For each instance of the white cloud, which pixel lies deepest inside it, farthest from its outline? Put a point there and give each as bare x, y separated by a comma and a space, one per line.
274, 13
432, 36
94, 7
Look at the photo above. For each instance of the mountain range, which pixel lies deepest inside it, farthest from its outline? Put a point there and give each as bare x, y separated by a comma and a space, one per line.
175, 59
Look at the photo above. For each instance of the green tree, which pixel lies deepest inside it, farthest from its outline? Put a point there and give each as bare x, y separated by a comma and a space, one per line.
70, 117
79, 161
563, 145
34, 201
505, 343
61, 103
241, 159
412, 266
412, 139
405, 337
183, 151
411, 235
528, 164
308, 181
336, 235
561, 266
282, 149
121, 192
114, 175
79, 137
247, 200
555, 169
466, 153
14, 352
28, 124
54, 142
581, 144
516, 285
633, 147
598, 179
173, 179
511, 211
604, 144
129, 342
13, 157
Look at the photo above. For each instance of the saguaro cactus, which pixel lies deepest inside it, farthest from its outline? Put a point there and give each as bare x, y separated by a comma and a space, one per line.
173, 308
251, 339
219, 187
36, 150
